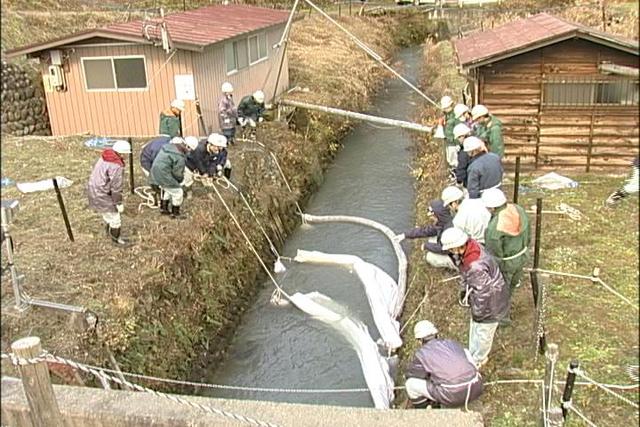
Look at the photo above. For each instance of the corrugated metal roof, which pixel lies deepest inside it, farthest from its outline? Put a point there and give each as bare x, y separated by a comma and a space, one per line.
210, 24
523, 34
193, 29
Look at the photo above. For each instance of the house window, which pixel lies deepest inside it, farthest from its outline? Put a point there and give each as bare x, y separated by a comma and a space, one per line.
257, 47
590, 92
241, 53
115, 73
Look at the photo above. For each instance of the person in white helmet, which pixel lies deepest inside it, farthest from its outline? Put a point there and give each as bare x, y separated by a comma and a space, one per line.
488, 129
469, 215
463, 115
250, 111
149, 153
167, 172
483, 289
227, 113
485, 169
209, 159
442, 373
460, 132
170, 119
105, 189
449, 122
508, 237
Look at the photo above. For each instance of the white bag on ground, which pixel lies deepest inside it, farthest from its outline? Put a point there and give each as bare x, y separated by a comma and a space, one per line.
380, 288
554, 181
374, 366
44, 185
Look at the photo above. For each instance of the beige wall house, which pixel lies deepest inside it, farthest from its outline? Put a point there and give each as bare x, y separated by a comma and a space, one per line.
115, 81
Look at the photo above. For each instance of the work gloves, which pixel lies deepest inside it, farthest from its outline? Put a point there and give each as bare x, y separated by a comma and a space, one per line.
120, 208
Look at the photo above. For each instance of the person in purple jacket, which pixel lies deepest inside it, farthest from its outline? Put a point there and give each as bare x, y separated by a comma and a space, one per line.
442, 372
105, 189
435, 256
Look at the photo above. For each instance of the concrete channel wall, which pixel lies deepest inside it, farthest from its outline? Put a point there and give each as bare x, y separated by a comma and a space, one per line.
91, 407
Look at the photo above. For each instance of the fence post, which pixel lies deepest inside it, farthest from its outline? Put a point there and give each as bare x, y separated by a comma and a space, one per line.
516, 179
549, 372
37, 386
568, 387
131, 179
63, 209
350, 7
340, 9
535, 288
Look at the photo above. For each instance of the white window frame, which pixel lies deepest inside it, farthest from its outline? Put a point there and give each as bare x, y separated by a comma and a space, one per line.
113, 70
257, 36
249, 63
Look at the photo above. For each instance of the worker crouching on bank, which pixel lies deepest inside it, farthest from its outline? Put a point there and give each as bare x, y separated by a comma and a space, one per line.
442, 372
208, 160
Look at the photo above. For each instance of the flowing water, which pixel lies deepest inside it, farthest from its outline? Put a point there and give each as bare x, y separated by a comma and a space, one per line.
282, 347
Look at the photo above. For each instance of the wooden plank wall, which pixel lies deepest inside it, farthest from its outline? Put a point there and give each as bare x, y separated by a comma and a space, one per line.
559, 137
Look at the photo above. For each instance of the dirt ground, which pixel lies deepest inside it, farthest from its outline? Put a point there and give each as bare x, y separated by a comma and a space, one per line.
587, 322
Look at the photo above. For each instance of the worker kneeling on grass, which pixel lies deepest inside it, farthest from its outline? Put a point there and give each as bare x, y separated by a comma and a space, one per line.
435, 255
209, 159
250, 112
442, 372
483, 289
105, 189
507, 237
167, 172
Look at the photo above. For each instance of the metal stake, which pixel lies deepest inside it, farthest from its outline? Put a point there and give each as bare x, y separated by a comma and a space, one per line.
516, 180
568, 387
131, 179
63, 209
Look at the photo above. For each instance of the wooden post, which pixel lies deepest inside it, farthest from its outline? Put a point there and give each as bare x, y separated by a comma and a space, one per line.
590, 147
568, 387
340, 9
63, 209
516, 181
535, 286
131, 179
552, 357
350, 12
36, 381
538, 231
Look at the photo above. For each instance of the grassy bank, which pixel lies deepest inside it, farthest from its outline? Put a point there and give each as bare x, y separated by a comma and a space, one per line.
175, 297
587, 322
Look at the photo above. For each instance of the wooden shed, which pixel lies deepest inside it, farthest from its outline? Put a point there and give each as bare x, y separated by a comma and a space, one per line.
567, 94
114, 81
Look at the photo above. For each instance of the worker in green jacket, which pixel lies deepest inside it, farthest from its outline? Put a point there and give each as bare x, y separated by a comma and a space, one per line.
451, 144
488, 129
507, 236
170, 123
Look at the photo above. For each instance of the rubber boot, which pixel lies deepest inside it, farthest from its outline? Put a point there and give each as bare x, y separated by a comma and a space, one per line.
108, 230
116, 239
175, 212
164, 207
227, 173
615, 198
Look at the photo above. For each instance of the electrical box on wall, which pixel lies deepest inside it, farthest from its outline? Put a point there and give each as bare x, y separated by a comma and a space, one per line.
56, 57
56, 76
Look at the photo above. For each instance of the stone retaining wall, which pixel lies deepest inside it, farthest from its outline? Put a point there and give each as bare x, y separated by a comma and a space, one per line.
24, 108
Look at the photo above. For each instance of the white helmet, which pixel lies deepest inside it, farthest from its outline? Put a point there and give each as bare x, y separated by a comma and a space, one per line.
451, 194
472, 143
178, 104
177, 140
453, 238
424, 329
461, 130
258, 96
459, 110
446, 102
191, 142
217, 140
121, 147
479, 111
227, 87
493, 198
